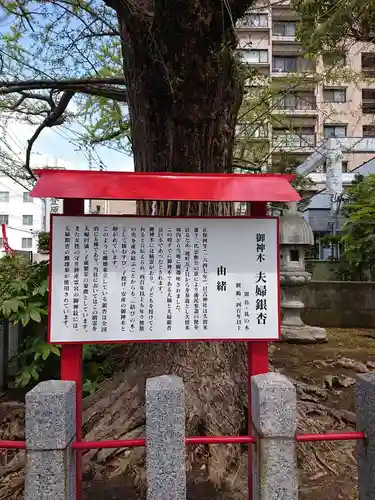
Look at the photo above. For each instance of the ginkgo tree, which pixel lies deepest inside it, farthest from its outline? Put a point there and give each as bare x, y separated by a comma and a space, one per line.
162, 75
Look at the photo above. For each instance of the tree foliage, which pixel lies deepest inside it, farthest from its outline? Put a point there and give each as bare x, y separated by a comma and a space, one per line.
357, 238
328, 25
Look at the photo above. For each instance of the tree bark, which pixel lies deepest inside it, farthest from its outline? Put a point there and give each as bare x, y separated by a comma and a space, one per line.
183, 85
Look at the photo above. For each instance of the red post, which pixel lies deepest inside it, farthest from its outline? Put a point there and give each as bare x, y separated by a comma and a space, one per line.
71, 361
257, 361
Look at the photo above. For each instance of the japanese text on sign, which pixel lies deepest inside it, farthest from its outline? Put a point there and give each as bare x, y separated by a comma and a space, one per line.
131, 279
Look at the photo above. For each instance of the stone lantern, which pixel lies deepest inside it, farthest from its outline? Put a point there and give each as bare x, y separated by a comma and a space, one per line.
295, 236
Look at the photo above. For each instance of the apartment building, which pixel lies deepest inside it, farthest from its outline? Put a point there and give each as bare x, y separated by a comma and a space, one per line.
21, 214
304, 108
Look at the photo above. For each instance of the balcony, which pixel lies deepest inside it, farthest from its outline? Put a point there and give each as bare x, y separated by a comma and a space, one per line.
284, 31
251, 132
297, 105
288, 65
258, 58
294, 143
253, 21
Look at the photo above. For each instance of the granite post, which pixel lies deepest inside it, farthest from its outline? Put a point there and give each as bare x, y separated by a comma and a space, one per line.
165, 438
365, 449
274, 419
50, 425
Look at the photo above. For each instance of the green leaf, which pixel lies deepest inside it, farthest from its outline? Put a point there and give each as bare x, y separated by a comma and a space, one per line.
25, 318
34, 373
35, 315
55, 350
12, 305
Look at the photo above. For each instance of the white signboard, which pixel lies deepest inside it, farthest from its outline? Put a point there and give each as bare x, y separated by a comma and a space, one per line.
147, 279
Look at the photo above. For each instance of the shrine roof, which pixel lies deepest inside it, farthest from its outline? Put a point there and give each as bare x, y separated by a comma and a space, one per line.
57, 183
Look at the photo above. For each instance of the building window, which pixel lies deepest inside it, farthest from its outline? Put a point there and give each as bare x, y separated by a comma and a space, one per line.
251, 130
302, 100
368, 101
254, 56
27, 243
331, 59
254, 21
334, 131
334, 95
27, 220
284, 64
285, 28
4, 219
4, 196
298, 137
26, 197
368, 131
368, 63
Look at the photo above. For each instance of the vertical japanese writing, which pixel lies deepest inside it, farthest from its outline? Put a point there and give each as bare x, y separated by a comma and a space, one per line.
115, 234
178, 268
160, 257
221, 285
196, 278
246, 310
124, 265
142, 278
67, 264
151, 276
261, 247
104, 316
133, 272
86, 247
95, 279
76, 253
187, 253
205, 278
261, 281
239, 306
169, 279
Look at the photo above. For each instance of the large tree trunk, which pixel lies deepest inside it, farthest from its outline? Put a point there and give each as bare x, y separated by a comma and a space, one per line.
184, 94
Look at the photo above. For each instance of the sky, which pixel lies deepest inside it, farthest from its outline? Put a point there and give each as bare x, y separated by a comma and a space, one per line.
58, 146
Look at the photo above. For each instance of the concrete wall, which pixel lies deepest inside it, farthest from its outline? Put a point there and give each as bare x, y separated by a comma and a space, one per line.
346, 304
322, 270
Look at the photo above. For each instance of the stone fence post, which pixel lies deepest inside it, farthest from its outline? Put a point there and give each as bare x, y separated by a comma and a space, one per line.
274, 419
50, 429
365, 410
165, 438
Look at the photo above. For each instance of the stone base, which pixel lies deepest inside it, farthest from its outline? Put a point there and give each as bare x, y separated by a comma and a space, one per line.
303, 334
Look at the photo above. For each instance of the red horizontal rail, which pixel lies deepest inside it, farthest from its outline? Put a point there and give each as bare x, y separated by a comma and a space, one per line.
130, 443
15, 445
332, 436
220, 440
121, 443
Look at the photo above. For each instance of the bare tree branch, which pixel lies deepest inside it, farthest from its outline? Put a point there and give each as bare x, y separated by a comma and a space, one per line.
55, 117
103, 87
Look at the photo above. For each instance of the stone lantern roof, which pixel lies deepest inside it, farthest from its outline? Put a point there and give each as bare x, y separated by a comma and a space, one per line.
294, 229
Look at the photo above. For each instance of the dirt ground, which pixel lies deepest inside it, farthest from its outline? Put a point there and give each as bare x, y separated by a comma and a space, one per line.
325, 378
332, 368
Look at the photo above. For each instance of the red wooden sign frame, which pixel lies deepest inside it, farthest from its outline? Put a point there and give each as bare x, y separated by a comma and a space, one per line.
74, 186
